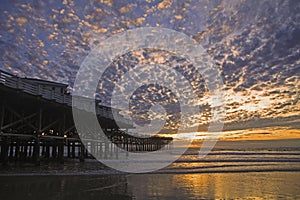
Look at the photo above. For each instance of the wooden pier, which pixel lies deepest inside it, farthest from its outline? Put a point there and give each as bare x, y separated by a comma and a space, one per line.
36, 123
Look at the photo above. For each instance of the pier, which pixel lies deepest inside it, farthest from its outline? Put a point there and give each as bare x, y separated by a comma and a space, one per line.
36, 123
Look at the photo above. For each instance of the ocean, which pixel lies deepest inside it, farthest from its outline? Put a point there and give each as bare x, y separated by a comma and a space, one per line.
233, 170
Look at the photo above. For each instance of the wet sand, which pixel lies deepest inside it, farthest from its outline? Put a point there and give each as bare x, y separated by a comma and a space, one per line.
252, 185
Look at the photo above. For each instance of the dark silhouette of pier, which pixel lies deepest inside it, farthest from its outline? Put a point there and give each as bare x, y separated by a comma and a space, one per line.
36, 123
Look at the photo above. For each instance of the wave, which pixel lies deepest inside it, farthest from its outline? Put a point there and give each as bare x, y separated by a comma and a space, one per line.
238, 160
112, 172
227, 171
246, 153
189, 163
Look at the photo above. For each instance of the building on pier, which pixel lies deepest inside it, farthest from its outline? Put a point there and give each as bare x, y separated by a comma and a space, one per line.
36, 122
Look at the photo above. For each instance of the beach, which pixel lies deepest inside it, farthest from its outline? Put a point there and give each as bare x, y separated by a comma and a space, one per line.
233, 170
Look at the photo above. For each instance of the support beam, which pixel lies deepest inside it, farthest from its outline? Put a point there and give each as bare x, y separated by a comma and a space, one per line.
4, 150
20, 116
37, 140
2, 117
69, 129
81, 156
49, 126
61, 142
18, 121
4, 142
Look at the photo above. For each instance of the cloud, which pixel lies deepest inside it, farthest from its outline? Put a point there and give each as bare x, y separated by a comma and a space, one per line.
255, 46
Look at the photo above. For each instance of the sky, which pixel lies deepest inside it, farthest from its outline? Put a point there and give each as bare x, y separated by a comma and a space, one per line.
253, 44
